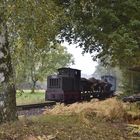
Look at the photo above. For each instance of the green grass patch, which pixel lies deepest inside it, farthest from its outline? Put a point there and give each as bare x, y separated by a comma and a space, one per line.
26, 97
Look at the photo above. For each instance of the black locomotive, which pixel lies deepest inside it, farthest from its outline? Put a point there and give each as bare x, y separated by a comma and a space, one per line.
68, 86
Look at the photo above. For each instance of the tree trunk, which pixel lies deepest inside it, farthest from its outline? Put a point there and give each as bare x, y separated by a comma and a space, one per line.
7, 87
33, 86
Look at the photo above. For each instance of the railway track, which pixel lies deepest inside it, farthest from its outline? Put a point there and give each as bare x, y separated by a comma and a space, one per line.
34, 109
37, 105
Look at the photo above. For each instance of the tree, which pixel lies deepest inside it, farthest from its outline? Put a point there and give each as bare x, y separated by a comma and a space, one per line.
35, 64
110, 28
30, 21
7, 88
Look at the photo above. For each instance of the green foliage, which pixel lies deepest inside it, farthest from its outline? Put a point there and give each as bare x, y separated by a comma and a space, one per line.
29, 20
49, 61
106, 70
27, 23
131, 80
110, 28
32, 28
34, 64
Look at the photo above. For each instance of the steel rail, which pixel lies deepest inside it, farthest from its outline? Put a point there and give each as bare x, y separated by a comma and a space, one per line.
37, 105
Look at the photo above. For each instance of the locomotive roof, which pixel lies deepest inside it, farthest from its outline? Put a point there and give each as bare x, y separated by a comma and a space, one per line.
68, 68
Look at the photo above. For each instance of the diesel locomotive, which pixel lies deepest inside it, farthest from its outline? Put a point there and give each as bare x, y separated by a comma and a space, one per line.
67, 86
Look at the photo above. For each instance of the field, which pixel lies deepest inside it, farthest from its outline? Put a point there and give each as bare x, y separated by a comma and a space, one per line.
96, 120
26, 97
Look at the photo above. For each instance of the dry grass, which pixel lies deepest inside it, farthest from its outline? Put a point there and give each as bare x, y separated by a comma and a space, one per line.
83, 121
109, 109
61, 127
133, 113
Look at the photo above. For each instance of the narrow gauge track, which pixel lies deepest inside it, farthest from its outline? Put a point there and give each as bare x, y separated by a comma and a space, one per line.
37, 105
34, 109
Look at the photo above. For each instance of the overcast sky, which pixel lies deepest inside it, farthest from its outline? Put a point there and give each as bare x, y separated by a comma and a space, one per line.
82, 62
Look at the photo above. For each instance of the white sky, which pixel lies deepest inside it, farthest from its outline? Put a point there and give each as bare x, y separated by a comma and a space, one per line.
82, 62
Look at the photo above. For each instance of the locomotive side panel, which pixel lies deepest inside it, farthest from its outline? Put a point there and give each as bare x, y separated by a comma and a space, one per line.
68, 84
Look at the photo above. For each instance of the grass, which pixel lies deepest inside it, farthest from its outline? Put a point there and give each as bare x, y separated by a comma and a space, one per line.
62, 127
26, 97
110, 109
95, 120
133, 113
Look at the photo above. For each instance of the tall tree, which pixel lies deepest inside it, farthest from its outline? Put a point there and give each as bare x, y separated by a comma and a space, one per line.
7, 88
30, 20
109, 27
35, 64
